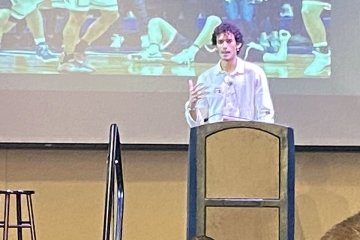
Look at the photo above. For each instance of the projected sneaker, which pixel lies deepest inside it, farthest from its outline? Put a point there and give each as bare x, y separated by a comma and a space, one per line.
184, 57
146, 55
73, 66
319, 64
81, 59
44, 54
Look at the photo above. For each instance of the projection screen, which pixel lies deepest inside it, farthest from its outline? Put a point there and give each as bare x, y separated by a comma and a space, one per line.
137, 69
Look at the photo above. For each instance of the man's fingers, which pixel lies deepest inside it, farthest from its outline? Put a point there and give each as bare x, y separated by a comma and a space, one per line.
203, 93
191, 84
198, 91
199, 87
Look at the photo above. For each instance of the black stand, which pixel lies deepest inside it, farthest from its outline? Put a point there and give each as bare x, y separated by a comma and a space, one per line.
114, 188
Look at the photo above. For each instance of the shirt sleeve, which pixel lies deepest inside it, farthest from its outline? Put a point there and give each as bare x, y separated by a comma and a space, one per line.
199, 118
190, 121
263, 103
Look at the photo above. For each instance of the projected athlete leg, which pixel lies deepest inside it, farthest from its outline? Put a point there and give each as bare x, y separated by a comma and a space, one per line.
282, 53
311, 13
74, 48
95, 30
187, 55
35, 24
71, 34
257, 53
28, 10
161, 34
4, 22
268, 17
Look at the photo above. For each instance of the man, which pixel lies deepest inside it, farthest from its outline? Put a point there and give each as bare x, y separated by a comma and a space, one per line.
28, 10
311, 13
231, 90
73, 59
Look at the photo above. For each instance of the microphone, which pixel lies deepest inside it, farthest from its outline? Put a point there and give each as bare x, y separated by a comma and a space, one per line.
228, 80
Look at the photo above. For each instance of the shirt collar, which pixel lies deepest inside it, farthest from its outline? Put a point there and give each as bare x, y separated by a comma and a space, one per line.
239, 70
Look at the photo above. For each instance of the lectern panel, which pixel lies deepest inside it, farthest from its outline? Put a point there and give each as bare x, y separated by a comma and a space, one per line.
229, 223
241, 181
242, 162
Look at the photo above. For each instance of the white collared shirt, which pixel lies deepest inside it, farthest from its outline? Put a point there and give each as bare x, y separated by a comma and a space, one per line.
240, 95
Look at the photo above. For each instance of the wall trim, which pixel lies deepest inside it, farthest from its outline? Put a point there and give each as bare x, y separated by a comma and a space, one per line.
155, 147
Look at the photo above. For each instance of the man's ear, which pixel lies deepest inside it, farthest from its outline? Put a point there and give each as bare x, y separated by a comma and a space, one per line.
238, 46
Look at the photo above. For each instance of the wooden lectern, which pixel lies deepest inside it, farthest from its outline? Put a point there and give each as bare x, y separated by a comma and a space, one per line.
241, 181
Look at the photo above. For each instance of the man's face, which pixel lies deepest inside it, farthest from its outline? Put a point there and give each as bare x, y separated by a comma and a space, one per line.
227, 46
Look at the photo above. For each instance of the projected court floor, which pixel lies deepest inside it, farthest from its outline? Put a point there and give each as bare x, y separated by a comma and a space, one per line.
26, 62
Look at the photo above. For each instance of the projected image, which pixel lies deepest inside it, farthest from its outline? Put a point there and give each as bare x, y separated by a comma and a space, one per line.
288, 38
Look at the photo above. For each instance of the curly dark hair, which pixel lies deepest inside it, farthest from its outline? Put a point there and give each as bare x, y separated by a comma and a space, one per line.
227, 27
